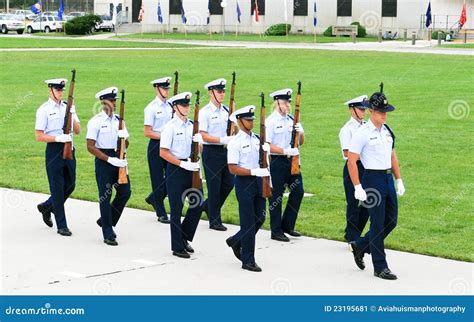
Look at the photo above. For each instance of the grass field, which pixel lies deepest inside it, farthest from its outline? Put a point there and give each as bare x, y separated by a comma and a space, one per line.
467, 46
434, 137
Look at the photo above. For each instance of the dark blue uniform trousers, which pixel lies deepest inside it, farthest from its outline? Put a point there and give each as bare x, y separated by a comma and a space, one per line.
383, 210
219, 181
356, 217
157, 168
179, 186
248, 190
107, 180
280, 170
62, 181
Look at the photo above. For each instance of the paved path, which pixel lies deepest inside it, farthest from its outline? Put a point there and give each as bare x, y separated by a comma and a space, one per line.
36, 260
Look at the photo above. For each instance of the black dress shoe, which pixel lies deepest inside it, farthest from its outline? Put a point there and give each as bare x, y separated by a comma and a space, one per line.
386, 274
64, 232
111, 242
164, 220
182, 254
280, 237
150, 202
46, 212
235, 247
358, 255
253, 267
219, 227
188, 247
293, 233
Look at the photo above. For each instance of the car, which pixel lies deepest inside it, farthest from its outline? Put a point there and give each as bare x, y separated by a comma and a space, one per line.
77, 14
30, 15
105, 25
11, 23
45, 23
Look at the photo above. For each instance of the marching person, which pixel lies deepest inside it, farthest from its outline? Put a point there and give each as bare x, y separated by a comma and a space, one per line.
374, 144
356, 217
279, 127
243, 159
175, 149
213, 119
157, 114
102, 136
50, 118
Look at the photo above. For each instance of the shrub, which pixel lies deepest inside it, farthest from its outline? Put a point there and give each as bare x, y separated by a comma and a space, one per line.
278, 30
82, 25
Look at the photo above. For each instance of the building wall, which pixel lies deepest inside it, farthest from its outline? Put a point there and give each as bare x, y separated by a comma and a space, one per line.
367, 12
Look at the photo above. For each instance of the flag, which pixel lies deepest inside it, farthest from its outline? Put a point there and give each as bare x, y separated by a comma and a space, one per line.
463, 18
209, 12
255, 11
61, 10
428, 15
36, 8
183, 14
141, 15
315, 19
285, 13
239, 13
114, 12
160, 15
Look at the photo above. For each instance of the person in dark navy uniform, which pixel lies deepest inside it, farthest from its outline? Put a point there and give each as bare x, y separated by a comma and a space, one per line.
157, 114
175, 148
279, 128
243, 158
356, 217
102, 136
61, 173
213, 119
374, 144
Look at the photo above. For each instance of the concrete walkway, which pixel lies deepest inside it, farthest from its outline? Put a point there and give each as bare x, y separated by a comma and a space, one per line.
36, 260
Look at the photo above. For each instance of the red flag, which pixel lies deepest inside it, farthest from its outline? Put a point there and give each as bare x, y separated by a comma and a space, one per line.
255, 11
463, 18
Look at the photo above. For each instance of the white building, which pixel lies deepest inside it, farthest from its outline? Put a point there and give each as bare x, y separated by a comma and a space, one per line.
393, 15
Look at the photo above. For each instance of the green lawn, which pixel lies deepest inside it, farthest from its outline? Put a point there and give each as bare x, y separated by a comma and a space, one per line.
435, 149
458, 45
247, 37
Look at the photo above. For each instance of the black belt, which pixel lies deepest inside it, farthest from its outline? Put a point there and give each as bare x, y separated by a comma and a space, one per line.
108, 150
387, 171
214, 146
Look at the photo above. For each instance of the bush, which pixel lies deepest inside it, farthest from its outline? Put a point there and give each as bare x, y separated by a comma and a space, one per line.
278, 30
82, 25
361, 32
328, 32
434, 34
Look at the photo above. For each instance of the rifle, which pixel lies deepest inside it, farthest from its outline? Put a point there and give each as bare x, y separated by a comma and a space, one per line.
266, 188
197, 181
381, 87
176, 83
295, 138
67, 128
230, 125
122, 179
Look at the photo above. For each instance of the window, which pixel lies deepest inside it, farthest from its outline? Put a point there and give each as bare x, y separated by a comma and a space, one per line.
389, 8
300, 8
216, 8
175, 7
344, 8
261, 7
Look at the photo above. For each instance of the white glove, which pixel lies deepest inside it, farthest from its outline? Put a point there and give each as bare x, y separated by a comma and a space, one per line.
400, 187
291, 152
198, 138
116, 162
299, 128
123, 134
63, 138
260, 172
190, 166
266, 147
73, 110
360, 193
225, 139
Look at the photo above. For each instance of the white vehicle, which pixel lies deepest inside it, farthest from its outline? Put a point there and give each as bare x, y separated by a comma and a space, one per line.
77, 14
11, 23
26, 13
45, 23
105, 25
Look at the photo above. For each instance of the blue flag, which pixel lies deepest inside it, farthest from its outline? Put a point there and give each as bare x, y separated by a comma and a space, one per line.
160, 15
239, 13
209, 12
36, 8
315, 19
61, 10
428, 15
183, 14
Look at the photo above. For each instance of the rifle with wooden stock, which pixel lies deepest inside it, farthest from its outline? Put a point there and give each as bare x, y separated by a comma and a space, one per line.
230, 124
263, 158
295, 137
68, 126
176, 83
196, 181
122, 179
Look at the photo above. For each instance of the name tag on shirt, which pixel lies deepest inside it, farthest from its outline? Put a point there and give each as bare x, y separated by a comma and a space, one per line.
374, 141
215, 119
53, 116
179, 136
105, 129
246, 148
159, 114
279, 128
